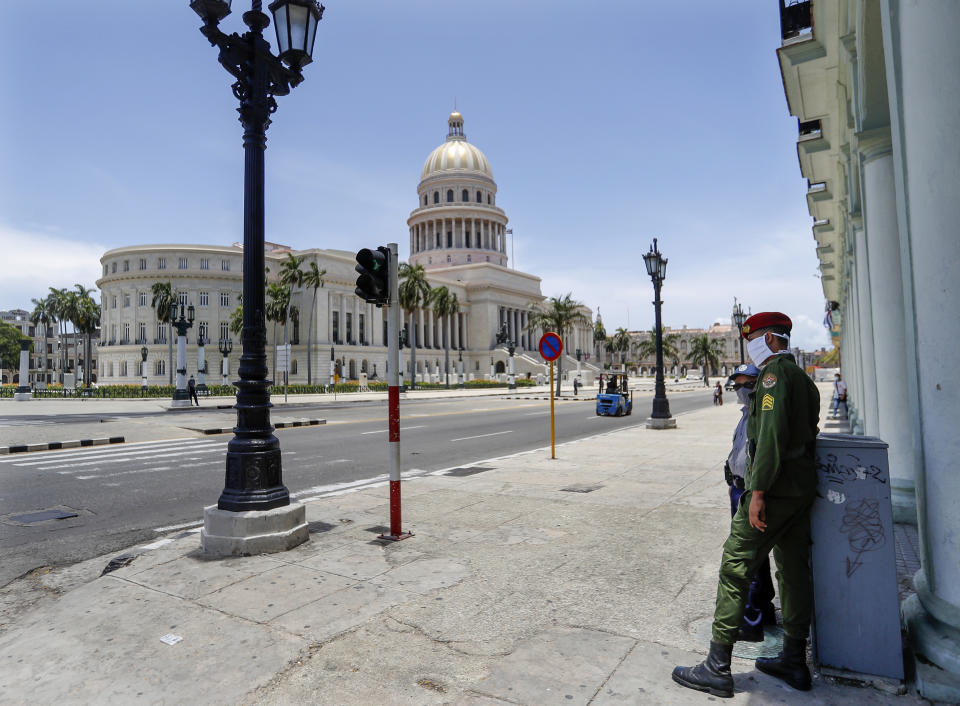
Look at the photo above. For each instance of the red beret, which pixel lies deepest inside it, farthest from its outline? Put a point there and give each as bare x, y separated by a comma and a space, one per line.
766, 319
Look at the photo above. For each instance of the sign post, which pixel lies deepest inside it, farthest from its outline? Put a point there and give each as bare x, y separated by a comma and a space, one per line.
551, 346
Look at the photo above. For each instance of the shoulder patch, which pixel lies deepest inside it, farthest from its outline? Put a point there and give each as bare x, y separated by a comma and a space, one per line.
769, 380
766, 404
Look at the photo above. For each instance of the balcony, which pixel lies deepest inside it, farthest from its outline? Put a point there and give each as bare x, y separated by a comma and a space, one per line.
796, 18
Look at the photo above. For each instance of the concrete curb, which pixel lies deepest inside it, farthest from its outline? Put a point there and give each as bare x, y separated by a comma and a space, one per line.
53, 445
277, 425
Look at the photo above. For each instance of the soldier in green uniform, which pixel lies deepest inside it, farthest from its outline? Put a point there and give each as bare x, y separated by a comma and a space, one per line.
774, 512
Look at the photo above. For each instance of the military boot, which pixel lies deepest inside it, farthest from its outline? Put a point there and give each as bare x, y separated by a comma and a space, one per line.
711, 675
790, 665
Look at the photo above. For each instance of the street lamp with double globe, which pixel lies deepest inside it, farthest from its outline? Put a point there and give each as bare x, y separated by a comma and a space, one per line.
738, 317
143, 370
656, 265
253, 470
225, 346
460, 368
504, 338
181, 318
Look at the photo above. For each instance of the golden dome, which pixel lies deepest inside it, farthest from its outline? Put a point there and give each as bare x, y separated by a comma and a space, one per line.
456, 155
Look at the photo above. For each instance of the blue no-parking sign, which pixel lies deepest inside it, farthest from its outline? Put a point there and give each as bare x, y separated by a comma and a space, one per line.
550, 346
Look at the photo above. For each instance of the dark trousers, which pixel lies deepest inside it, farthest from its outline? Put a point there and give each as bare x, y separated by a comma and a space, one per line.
760, 594
193, 395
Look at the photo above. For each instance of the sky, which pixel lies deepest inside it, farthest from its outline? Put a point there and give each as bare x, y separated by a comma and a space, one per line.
606, 124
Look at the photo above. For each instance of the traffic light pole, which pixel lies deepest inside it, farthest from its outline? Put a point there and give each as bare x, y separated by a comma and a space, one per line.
393, 397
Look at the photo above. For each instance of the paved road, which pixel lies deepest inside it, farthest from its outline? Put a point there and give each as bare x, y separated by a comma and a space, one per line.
123, 494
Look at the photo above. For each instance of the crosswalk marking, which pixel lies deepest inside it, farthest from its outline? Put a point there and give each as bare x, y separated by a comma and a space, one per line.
106, 454
77, 452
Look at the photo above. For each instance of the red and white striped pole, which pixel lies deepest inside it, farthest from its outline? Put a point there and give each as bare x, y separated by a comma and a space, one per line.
393, 398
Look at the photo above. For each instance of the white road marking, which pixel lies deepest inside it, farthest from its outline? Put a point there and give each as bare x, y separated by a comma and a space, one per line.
127, 458
114, 452
480, 436
182, 525
125, 473
384, 431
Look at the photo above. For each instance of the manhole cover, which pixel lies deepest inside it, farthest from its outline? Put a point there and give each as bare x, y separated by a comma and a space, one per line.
772, 643
581, 488
467, 470
31, 518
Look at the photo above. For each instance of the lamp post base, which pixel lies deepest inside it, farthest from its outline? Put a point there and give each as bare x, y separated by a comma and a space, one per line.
22, 396
227, 533
658, 423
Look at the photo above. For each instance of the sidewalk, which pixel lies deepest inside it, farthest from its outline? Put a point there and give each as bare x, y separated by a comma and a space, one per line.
580, 580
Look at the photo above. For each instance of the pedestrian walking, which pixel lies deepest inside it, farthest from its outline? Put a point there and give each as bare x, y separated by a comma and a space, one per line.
718, 394
576, 386
773, 513
759, 610
192, 389
839, 396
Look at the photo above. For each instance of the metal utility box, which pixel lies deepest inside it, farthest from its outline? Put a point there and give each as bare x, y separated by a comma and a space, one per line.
856, 625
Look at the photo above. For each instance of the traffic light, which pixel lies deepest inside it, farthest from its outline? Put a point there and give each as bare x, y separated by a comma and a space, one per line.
373, 284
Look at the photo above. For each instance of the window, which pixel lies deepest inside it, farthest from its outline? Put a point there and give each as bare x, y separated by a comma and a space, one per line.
467, 236
363, 338
106, 270
336, 327
126, 300
113, 301
110, 369
488, 198
465, 195
225, 265
224, 298
224, 330
293, 366
143, 263
161, 263
479, 197
113, 267
438, 240
141, 333
182, 263
142, 299
126, 333
160, 367
449, 238
449, 195
424, 199
204, 298
204, 263
202, 330
349, 327
182, 298
436, 197
113, 334
161, 334
126, 265
123, 368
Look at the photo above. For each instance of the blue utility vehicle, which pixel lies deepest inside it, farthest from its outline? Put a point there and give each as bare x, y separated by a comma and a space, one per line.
614, 399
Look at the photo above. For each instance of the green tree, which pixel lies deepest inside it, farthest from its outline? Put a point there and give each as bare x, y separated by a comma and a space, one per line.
557, 314
647, 347
59, 304
705, 352
10, 338
43, 315
291, 276
414, 292
620, 342
162, 300
278, 306
88, 321
599, 336
312, 279
446, 305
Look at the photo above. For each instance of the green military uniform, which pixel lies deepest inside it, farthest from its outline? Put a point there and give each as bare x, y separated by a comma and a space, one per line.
781, 434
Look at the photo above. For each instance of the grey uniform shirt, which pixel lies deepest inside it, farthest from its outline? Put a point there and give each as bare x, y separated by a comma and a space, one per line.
738, 454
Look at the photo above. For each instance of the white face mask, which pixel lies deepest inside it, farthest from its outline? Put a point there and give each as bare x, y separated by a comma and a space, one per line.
759, 351
743, 395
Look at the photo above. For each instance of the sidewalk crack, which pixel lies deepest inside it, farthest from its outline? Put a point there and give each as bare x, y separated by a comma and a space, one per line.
612, 671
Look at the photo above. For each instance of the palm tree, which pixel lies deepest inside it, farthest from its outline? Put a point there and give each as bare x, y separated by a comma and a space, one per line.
162, 300
414, 292
558, 314
43, 316
236, 320
647, 347
599, 334
312, 279
88, 320
82, 311
446, 304
705, 352
620, 343
291, 276
58, 305
277, 308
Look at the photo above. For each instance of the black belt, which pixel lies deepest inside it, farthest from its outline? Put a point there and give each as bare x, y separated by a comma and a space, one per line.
738, 483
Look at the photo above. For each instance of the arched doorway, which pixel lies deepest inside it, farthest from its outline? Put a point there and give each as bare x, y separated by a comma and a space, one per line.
353, 369
500, 367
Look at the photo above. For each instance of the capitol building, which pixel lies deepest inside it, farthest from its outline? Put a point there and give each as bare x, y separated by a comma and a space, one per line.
457, 232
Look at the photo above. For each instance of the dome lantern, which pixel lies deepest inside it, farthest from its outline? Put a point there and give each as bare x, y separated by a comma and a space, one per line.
456, 127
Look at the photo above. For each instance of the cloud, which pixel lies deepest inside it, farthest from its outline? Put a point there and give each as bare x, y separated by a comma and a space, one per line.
36, 259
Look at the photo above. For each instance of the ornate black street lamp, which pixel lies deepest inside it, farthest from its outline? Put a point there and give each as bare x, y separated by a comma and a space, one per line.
181, 318
202, 342
254, 479
504, 337
656, 265
738, 317
460, 368
143, 370
225, 346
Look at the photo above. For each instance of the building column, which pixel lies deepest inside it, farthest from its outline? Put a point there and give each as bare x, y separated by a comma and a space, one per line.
926, 123
886, 288
866, 338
